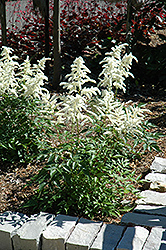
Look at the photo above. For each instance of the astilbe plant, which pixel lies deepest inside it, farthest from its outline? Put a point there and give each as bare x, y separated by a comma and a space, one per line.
24, 110
88, 172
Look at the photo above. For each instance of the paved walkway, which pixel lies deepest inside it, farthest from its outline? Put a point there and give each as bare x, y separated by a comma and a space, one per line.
143, 229
13, 14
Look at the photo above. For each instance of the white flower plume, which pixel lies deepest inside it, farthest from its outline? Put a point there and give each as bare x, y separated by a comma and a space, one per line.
8, 67
117, 51
81, 103
74, 106
78, 76
73, 109
32, 79
116, 68
126, 119
25, 79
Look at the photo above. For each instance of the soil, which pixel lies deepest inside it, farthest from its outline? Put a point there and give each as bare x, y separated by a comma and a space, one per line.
13, 178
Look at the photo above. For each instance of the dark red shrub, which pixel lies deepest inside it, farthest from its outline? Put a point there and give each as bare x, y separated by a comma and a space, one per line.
87, 28
83, 23
150, 71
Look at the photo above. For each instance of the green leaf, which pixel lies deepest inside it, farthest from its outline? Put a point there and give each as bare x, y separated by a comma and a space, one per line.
51, 158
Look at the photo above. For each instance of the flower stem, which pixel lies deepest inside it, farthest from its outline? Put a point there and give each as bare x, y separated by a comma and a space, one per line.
116, 91
78, 130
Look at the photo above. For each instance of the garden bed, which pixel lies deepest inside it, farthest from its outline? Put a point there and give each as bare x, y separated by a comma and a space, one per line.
147, 87
13, 178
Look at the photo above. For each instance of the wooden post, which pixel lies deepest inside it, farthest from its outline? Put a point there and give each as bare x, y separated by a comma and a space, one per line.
47, 46
3, 21
56, 44
128, 21
44, 9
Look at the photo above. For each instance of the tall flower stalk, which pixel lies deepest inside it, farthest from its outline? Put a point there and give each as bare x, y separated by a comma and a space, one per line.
25, 80
76, 107
8, 67
116, 68
80, 104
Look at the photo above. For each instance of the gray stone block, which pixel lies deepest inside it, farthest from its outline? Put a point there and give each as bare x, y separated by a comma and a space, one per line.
158, 186
156, 239
150, 197
28, 236
9, 223
147, 209
159, 165
58, 231
83, 235
156, 177
108, 237
144, 220
133, 239
157, 181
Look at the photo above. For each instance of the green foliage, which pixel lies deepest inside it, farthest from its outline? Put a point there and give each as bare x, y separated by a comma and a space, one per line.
22, 130
90, 177
88, 172
145, 141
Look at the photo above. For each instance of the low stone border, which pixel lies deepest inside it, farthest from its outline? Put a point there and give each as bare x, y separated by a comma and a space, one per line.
143, 229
